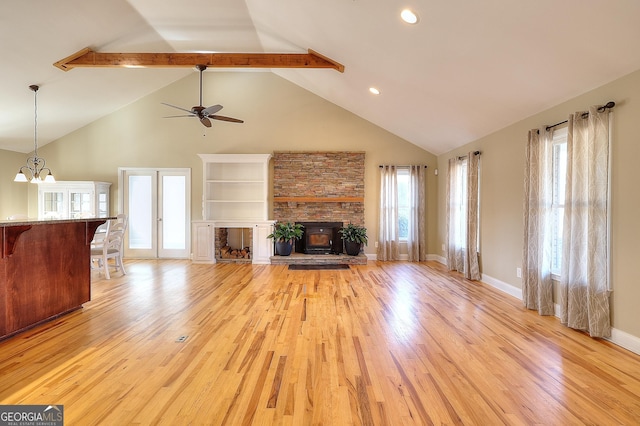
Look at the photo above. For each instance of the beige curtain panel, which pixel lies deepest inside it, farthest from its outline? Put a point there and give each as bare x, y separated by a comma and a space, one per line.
584, 282
537, 287
417, 238
462, 215
388, 240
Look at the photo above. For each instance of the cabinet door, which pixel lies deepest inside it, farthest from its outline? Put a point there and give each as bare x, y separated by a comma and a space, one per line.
262, 246
203, 243
52, 205
80, 204
102, 200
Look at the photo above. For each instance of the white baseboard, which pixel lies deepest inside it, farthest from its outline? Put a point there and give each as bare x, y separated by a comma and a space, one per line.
374, 256
502, 286
625, 340
437, 258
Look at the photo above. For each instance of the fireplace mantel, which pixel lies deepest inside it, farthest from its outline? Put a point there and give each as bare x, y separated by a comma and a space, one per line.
318, 199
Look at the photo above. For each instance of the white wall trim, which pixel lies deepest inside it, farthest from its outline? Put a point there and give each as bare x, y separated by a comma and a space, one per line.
437, 258
625, 340
502, 286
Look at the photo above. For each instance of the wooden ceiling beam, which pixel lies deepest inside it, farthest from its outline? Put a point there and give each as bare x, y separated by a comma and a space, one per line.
87, 58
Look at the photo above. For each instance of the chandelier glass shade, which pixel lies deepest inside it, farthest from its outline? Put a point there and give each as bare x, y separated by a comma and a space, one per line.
36, 166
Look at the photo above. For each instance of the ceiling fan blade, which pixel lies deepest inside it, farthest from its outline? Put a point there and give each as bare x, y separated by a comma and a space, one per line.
211, 110
205, 121
223, 118
178, 116
177, 107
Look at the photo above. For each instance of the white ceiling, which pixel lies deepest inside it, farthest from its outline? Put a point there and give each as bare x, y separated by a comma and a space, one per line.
467, 69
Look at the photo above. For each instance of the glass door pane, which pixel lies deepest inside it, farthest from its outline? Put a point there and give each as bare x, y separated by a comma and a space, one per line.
173, 215
139, 205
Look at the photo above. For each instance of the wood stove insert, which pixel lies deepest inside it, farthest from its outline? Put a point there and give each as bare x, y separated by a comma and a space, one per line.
320, 238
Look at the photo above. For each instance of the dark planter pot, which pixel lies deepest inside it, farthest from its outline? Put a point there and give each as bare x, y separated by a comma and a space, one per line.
283, 248
352, 248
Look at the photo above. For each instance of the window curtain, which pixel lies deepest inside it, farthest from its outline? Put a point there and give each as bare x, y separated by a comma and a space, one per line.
537, 288
462, 215
584, 283
388, 245
417, 238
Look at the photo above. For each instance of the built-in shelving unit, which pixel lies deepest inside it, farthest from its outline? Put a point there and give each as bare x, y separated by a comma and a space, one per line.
235, 186
234, 195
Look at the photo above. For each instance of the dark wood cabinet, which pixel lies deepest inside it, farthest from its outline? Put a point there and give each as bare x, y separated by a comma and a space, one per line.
44, 270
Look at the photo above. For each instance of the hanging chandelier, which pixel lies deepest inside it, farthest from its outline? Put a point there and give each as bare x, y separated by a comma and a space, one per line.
35, 165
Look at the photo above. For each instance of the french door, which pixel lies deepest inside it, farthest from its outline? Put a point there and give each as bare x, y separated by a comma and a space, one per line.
158, 205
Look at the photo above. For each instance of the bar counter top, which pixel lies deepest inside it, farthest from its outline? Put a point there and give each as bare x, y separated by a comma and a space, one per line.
19, 222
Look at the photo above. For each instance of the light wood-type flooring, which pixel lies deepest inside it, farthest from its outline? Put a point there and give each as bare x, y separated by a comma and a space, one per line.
387, 343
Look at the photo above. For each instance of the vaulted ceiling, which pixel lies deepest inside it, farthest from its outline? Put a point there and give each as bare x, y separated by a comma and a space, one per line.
464, 70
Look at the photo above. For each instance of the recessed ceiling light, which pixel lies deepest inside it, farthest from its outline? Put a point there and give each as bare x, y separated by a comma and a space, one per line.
374, 90
408, 16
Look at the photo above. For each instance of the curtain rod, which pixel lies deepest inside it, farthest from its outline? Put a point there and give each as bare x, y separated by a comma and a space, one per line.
404, 165
464, 156
609, 105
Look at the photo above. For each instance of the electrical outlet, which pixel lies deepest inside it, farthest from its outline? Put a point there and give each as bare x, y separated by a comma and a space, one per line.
443, 247
519, 272
376, 244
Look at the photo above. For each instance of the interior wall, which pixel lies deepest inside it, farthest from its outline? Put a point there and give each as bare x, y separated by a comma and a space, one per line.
502, 189
278, 115
13, 195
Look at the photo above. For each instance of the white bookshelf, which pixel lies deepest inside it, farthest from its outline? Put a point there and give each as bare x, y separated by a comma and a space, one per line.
235, 186
234, 195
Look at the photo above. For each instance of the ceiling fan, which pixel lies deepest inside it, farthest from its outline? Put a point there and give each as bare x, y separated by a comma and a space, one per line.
199, 111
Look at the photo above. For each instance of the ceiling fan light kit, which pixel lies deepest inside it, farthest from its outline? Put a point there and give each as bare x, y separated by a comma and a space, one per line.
199, 111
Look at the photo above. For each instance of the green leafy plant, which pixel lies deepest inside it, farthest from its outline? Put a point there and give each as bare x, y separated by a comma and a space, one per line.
286, 231
354, 233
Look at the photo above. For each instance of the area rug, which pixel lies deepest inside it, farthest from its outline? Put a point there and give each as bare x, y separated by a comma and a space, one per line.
303, 267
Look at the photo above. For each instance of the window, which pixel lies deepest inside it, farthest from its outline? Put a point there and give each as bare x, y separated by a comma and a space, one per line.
558, 185
402, 213
459, 205
404, 203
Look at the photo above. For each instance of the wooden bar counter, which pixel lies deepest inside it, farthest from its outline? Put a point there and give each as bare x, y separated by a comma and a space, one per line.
44, 270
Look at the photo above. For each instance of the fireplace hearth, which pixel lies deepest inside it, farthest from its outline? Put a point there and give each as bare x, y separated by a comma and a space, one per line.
320, 238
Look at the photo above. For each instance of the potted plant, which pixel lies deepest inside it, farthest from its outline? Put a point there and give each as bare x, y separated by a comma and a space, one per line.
284, 234
354, 236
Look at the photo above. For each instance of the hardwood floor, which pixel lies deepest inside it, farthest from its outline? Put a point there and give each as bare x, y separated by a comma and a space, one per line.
382, 343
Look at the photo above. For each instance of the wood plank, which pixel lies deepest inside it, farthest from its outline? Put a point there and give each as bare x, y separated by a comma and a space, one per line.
318, 199
87, 58
381, 343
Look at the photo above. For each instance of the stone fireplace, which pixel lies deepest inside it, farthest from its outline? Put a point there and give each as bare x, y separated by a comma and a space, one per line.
320, 188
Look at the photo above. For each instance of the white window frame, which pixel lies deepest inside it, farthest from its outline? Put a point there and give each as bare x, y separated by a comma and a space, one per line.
405, 202
558, 185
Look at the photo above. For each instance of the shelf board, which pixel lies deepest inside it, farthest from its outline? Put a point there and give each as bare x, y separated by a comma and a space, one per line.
318, 199
233, 181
